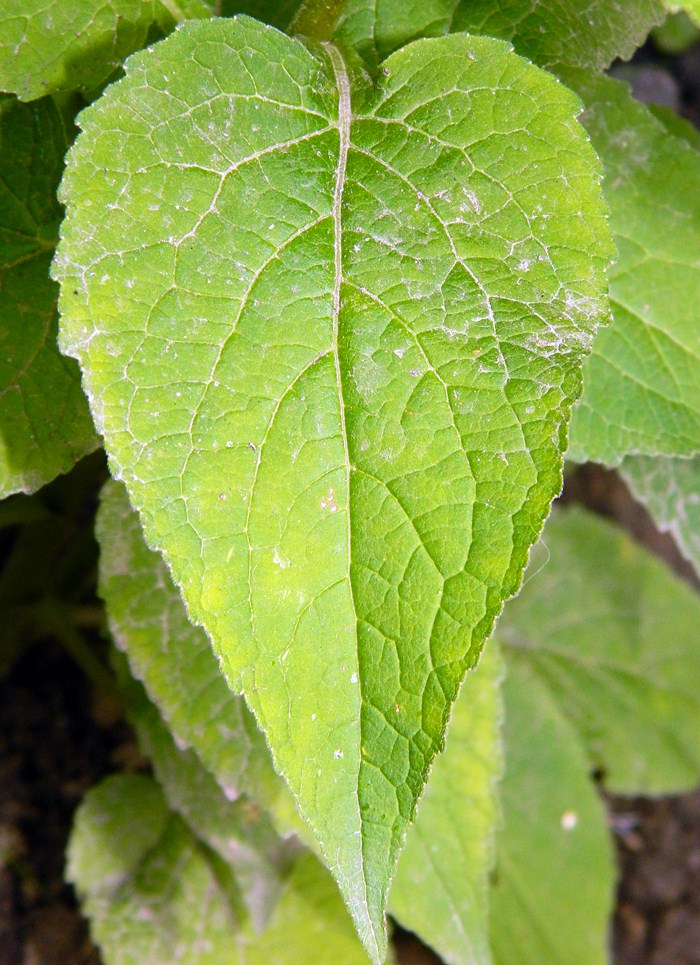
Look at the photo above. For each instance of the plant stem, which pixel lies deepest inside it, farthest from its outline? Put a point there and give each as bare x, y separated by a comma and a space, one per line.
317, 18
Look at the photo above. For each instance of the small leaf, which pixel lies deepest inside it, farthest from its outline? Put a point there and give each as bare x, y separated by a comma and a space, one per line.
669, 489
129, 803
174, 661
173, 905
50, 45
176, 900
616, 646
241, 834
642, 392
332, 349
442, 883
554, 885
45, 425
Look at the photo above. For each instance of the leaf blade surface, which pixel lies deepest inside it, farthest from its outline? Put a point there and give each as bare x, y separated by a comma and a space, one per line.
340, 416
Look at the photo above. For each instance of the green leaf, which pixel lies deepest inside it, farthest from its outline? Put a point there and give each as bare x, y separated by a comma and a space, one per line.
45, 425
571, 33
442, 883
691, 7
277, 13
309, 921
333, 352
237, 830
616, 647
642, 392
554, 886
173, 902
670, 489
154, 893
50, 45
129, 801
376, 28
676, 125
174, 661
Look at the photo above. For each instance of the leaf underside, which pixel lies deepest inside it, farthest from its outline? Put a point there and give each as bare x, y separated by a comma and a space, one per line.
332, 349
669, 488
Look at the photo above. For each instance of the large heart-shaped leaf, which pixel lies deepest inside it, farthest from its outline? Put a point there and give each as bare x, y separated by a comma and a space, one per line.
332, 333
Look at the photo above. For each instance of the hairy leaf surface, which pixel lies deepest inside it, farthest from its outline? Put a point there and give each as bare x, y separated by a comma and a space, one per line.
45, 425
175, 900
577, 34
50, 45
670, 489
442, 884
332, 336
641, 387
616, 645
237, 830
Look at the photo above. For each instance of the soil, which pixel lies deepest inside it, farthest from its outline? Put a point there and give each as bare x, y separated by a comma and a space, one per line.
60, 733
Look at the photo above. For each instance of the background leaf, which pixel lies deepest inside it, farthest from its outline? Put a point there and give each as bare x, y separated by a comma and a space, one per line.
554, 886
616, 646
670, 489
237, 830
45, 425
442, 883
177, 901
49, 45
577, 34
572, 33
334, 368
642, 393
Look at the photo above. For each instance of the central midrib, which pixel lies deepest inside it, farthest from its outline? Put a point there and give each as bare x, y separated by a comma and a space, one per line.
344, 121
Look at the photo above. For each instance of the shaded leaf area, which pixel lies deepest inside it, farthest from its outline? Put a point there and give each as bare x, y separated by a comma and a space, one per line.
612, 633
568, 33
45, 425
691, 7
158, 894
236, 829
553, 888
601, 677
48, 46
338, 400
441, 889
175, 662
642, 393
670, 489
